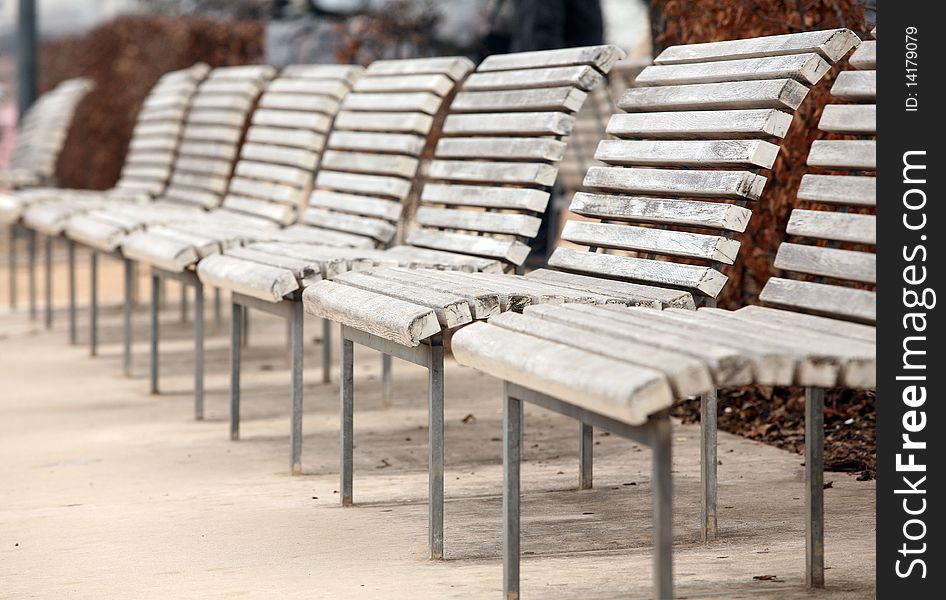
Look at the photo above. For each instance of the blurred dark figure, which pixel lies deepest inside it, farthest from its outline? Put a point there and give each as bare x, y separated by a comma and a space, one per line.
545, 25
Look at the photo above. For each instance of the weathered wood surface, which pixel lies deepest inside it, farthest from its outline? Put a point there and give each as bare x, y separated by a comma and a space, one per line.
397, 122
510, 224
807, 68
841, 227
273, 211
401, 143
728, 124
521, 124
600, 57
425, 102
819, 298
302, 270
414, 256
454, 67
292, 137
402, 322
452, 310
854, 119
718, 215
333, 88
253, 279
378, 229
678, 182
368, 206
865, 57
300, 157
827, 262
632, 294
434, 83
687, 153
359, 183
648, 239
706, 280
843, 154
500, 148
854, 190
831, 44
164, 252
857, 331
856, 86
583, 77
770, 93
481, 171
565, 98
512, 251
365, 162
486, 196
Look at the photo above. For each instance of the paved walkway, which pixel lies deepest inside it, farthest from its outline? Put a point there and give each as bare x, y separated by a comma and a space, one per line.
109, 492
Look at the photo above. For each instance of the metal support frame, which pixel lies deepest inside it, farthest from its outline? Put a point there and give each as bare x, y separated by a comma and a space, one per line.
655, 433
814, 484
292, 311
586, 462
429, 355
186, 279
71, 260
326, 351
93, 303
31, 249
11, 264
48, 281
127, 313
387, 380
708, 466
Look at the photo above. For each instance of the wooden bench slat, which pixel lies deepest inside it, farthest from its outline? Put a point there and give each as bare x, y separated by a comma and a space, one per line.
807, 68
418, 257
404, 101
706, 280
298, 102
199, 197
434, 83
224, 135
649, 239
485, 196
855, 86
484, 303
686, 153
218, 150
401, 143
501, 148
768, 93
583, 77
865, 57
727, 124
454, 67
853, 190
831, 44
311, 234
298, 138
521, 123
827, 262
346, 73
327, 87
717, 215
843, 154
512, 251
378, 229
857, 331
523, 173
397, 320
292, 176
566, 99
360, 183
273, 211
396, 122
363, 162
303, 271
252, 279
236, 103
265, 190
452, 310
291, 119
631, 293
854, 119
819, 298
841, 227
678, 182
295, 157
356, 205
601, 57
216, 184
475, 220
198, 164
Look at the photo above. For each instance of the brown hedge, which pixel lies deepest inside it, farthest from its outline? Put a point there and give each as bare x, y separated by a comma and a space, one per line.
125, 57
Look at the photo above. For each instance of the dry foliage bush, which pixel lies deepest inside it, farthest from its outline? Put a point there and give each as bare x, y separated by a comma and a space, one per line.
126, 57
692, 21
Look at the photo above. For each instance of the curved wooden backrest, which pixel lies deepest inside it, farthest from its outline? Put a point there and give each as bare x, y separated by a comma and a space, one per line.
157, 131
500, 146
212, 133
833, 249
43, 129
287, 132
701, 125
372, 155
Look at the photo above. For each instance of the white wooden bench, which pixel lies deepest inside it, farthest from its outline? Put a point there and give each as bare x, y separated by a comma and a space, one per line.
40, 138
621, 368
144, 174
366, 175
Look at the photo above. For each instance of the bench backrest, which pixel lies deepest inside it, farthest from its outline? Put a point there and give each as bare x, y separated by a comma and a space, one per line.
278, 158
703, 122
43, 128
498, 154
155, 138
371, 158
212, 134
833, 249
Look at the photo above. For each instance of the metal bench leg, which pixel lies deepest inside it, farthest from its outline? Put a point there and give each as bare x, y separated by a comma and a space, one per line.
296, 317
512, 448
73, 331
245, 337
326, 351
199, 352
236, 335
218, 309
93, 304
347, 415
31, 248
663, 509
127, 308
435, 448
48, 283
156, 285
387, 380
708, 466
184, 301
11, 265
586, 446
814, 481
